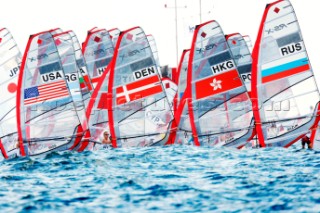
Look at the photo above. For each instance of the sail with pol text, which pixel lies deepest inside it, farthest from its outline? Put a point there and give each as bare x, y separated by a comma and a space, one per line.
10, 60
44, 103
284, 91
219, 106
98, 51
242, 57
139, 113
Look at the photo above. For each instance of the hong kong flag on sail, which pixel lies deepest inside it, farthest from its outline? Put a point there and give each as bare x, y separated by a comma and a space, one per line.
138, 90
217, 84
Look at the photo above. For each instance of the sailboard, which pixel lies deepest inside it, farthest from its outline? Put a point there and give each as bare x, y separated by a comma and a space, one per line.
284, 91
140, 114
98, 51
10, 60
44, 103
218, 104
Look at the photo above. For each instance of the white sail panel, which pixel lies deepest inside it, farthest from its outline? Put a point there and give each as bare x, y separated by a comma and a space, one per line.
285, 88
10, 60
98, 51
141, 115
221, 110
44, 103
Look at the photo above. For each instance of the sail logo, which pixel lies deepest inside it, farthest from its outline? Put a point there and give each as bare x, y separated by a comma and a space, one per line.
97, 52
14, 71
237, 57
216, 84
276, 28
224, 66
146, 72
206, 48
42, 56
291, 48
52, 76
71, 77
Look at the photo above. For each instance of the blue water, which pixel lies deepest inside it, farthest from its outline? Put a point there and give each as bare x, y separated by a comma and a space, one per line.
164, 179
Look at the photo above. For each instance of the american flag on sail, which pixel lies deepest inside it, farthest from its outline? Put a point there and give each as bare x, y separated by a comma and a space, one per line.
138, 90
46, 92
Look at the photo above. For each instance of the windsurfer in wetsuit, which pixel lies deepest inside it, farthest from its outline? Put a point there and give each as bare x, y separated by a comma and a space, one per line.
306, 140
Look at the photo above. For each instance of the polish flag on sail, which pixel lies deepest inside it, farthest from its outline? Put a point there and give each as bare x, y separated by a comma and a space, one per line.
138, 90
217, 84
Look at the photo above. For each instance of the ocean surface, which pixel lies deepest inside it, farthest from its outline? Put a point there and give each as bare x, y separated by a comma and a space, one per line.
163, 179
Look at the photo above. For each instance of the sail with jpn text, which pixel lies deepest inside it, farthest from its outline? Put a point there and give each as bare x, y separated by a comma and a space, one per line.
10, 60
284, 91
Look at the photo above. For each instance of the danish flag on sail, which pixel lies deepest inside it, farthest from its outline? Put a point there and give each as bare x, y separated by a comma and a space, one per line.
139, 89
217, 84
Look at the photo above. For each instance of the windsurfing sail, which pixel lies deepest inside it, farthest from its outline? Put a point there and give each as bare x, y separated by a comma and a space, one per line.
242, 57
72, 73
219, 106
154, 48
98, 52
46, 114
248, 41
284, 91
139, 113
10, 60
169, 85
114, 35
84, 78
183, 133
182, 75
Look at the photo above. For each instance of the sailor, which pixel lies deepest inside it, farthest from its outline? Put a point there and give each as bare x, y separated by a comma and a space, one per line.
106, 139
306, 140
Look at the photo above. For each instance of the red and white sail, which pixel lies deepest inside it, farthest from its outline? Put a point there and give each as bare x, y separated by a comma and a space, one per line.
217, 102
46, 113
10, 60
284, 91
139, 113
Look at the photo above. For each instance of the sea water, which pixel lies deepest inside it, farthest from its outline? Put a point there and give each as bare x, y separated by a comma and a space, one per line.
163, 179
